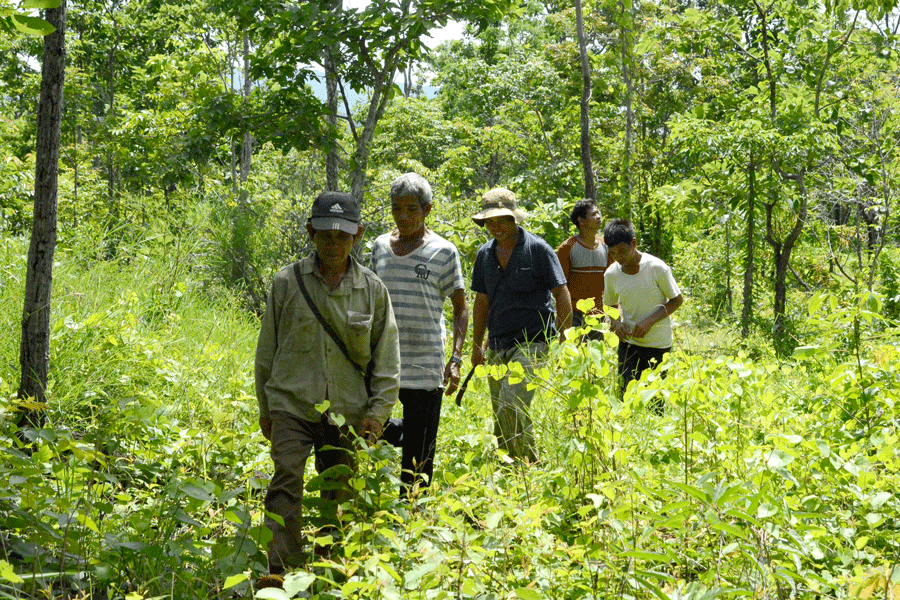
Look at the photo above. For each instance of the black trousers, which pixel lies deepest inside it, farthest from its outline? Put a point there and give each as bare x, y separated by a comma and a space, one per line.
633, 360
421, 417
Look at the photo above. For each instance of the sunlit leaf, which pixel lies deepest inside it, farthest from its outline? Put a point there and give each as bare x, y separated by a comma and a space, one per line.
235, 579
32, 25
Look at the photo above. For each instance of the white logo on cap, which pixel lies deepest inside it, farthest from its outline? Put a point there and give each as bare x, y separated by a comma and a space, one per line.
336, 208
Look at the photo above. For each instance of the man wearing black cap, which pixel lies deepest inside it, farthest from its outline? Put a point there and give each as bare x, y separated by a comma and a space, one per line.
310, 394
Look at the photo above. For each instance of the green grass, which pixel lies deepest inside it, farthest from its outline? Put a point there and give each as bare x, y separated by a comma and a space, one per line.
763, 478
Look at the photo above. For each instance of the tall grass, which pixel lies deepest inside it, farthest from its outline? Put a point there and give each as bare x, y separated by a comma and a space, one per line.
148, 413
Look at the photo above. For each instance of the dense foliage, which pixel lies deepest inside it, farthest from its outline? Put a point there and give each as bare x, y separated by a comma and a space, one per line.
755, 147
763, 477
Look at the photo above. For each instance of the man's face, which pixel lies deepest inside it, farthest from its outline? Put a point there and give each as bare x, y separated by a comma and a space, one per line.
591, 221
409, 216
502, 228
333, 246
624, 253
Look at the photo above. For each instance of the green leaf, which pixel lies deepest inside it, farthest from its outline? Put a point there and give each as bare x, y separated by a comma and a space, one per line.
352, 586
766, 509
7, 573
272, 594
297, 582
415, 574
28, 4
235, 579
493, 520
731, 530
196, 492
527, 594
692, 491
644, 555
879, 499
806, 352
32, 25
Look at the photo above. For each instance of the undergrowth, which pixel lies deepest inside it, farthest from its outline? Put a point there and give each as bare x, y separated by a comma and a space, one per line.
761, 478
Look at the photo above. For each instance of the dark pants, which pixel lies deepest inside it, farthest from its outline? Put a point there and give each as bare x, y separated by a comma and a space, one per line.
421, 417
293, 440
634, 360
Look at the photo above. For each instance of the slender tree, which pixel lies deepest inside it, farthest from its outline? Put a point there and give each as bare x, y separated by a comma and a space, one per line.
626, 46
34, 355
590, 191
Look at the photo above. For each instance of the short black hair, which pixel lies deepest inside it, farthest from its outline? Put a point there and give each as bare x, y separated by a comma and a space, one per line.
582, 208
618, 231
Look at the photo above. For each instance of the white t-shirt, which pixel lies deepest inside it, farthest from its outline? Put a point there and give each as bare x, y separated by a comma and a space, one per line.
639, 295
418, 284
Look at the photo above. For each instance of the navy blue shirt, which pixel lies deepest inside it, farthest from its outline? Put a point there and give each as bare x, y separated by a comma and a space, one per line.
520, 304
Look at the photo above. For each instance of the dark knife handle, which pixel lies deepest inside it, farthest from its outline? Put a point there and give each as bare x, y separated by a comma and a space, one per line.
462, 388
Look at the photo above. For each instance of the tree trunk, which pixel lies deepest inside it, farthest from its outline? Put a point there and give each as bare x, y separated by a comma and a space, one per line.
590, 191
34, 355
381, 94
627, 37
247, 145
331, 97
747, 311
728, 244
112, 170
782, 255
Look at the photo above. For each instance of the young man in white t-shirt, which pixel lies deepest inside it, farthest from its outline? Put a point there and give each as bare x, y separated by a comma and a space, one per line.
643, 288
421, 270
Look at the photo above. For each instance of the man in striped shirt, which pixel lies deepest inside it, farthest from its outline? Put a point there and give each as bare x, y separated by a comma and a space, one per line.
421, 270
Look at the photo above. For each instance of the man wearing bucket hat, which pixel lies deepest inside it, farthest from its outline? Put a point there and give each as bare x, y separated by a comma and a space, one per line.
516, 277
319, 389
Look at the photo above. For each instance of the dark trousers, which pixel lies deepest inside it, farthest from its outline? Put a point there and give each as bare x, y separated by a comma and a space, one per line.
421, 417
633, 360
293, 440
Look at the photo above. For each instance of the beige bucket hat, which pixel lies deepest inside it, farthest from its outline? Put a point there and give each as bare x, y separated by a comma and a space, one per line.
499, 202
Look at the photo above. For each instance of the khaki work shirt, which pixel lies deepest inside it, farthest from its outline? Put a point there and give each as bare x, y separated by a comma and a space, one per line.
298, 365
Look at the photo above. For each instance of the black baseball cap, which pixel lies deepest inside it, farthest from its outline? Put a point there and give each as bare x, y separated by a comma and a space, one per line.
335, 210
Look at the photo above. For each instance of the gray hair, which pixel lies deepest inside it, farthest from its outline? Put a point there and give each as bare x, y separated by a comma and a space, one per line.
412, 184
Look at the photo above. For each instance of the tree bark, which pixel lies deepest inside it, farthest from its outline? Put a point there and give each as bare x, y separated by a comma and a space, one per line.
590, 191
34, 354
381, 94
331, 97
247, 145
782, 255
747, 311
627, 38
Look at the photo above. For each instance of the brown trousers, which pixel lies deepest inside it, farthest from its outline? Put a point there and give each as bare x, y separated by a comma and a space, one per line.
293, 440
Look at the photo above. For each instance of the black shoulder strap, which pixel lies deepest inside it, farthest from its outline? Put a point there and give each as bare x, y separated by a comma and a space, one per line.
367, 373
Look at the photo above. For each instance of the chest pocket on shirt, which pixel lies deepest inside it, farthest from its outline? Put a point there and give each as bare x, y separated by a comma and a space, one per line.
525, 279
359, 334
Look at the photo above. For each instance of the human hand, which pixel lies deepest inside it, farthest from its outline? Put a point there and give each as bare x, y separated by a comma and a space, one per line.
370, 430
451, 378
477, 356
641, 329
620, 329
265, 425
